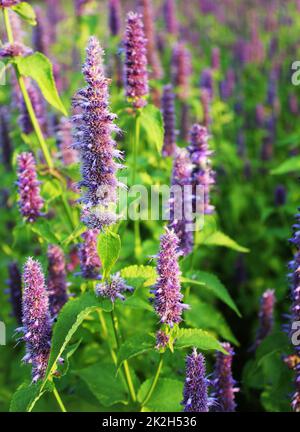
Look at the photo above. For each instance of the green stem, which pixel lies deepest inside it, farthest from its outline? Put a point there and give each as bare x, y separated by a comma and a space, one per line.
154, 382
129, 382
26, 97
58, 399
68, 212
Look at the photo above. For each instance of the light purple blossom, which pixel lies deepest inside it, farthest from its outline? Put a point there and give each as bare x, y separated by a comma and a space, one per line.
40, 33
57, 279
30, 201
168, 110
162, 340
171, 22
266, 318
36, 319
8, 3
90, 263
181, 69
113, 289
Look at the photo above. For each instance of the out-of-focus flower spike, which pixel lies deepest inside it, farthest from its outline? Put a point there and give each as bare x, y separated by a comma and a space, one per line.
40, 33
266, 317
114, 17
181, 69
15, 290
57, 280
6, 147
171, 22
168, 110
90, 263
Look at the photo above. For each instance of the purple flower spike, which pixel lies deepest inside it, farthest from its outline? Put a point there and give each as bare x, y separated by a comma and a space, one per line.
65, 142
30, 201
181, 201
136, 75
15, 290
170, 17
167, 295
113, 289
267, 303
280, 196
215, 58
203, 175
90, 263
181, 69
223, 382
14, 50
168, 110
5, 143
94, 126
8, 3
36, 319
150, 33
114, 17
195, 397
40, 33
206, 82
162, 340
57, 280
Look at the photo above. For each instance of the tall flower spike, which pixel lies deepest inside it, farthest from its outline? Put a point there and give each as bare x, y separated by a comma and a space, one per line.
181, 69
57, 280
202, 175
223, 382
170, 17
40, 33
294, 277
36, 318
206, 82
114, 17
6, 148
195, 392
65, 142
167, 295
168, 110
90, 263
152, 54
265, 315
30, 201
113, 289
181, 201
94, 125
15, 290
136, 75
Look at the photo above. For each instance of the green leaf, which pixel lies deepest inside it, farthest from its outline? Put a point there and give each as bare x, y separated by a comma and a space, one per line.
38, 67
288, 166
220, 239
26, 12
197, 338
71, 349
43, 229
213, 284
152, 125
138, 276
165, 398
274, 343
204, 315
103, 382
134, 346
73, 236
109, 246
27, 394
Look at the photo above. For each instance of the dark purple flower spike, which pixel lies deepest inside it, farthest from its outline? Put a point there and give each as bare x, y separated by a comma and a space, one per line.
57, 279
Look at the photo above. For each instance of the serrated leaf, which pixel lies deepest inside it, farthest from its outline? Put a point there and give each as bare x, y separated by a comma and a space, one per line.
26, 12
290, 165
38, 67
138, 276
103, 382
166, 396
197, 338
220, 239
109, 246
26, 394
152, 125
134, 346
213, 284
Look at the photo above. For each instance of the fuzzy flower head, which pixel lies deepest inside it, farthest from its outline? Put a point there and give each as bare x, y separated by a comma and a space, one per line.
168, 110
94, 126
30, 201
170, 17
15, 49
195, 396
114, 16
113, 289
266, 318
8, 3
224, 384
162, 340
57, 282
181, 201
15, 290
202, 175
181, 69
36, 318
136, 75
90, 263
167, 296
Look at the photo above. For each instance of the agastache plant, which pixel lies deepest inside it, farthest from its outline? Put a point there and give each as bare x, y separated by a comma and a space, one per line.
223, 382
30, 201
15, 290
113, 289
181, 69
57, 279
266, 317
168, 110
202, 175
36, 319
94, 124
90, 263
167, 296
8, 3
136, 74
114, 16
171, 22
195, 392
181, 201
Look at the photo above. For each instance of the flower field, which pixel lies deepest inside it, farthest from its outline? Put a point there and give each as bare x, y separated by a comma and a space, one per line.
150, 237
